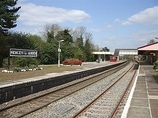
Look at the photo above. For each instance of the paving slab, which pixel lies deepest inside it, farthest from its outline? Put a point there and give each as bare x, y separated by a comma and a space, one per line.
137, 102
154, 107
138, 112
140, 95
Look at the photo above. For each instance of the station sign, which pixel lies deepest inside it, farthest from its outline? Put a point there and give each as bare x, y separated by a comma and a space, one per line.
22, 52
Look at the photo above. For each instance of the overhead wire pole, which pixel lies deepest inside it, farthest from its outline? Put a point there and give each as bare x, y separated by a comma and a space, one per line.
59, 51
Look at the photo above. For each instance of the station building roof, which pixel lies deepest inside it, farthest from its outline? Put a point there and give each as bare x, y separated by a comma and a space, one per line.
147, 49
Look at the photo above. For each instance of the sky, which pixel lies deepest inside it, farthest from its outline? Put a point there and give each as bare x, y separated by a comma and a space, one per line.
115, 24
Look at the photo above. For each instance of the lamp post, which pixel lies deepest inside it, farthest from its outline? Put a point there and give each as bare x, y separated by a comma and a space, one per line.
59, 50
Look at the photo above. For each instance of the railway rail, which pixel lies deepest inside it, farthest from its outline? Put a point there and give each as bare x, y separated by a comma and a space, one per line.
24, 106
107, 104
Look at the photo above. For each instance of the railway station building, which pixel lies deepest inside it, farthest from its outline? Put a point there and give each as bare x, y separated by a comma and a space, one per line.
149, 52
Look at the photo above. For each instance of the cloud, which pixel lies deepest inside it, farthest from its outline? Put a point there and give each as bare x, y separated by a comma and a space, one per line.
33, 15
126, 23
109, 26
143, 36
148, 16
96, 30
117, 20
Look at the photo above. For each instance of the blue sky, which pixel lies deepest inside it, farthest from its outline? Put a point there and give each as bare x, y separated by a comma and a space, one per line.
112, 23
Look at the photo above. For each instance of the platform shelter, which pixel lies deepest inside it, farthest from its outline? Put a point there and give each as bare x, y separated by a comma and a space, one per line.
102, 54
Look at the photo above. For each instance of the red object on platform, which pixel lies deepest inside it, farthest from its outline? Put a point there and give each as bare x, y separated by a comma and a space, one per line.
113, 59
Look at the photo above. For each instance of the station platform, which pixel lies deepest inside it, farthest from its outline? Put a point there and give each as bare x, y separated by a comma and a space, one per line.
84, 66
13, 89
143, 98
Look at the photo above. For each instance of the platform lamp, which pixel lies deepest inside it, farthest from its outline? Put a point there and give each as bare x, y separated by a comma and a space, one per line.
59, 51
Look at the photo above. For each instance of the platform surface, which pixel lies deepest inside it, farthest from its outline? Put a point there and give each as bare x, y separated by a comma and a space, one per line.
144, 102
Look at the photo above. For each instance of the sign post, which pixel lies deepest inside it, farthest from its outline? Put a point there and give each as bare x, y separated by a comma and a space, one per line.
14, 52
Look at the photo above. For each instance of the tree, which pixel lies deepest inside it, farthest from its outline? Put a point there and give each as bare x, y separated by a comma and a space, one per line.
79, 36
64, 35
105, 49
67, 45
8, 15
13, 40
79, 54
87, 51
48, 54
88, 47
50, 31
106, 57
151, 41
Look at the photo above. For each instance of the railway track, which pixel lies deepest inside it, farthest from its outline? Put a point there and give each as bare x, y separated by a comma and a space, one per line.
21, 107
107, 104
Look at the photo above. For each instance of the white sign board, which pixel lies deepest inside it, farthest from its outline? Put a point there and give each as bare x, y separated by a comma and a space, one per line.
22, 52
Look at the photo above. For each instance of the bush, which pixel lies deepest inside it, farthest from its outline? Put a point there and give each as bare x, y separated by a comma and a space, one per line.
155, 65
21, 62
72, 62
12, 62
17, 69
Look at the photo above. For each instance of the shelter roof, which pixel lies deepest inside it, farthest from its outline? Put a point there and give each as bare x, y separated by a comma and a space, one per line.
149, 47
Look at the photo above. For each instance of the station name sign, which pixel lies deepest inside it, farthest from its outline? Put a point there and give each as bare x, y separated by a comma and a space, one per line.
22, 52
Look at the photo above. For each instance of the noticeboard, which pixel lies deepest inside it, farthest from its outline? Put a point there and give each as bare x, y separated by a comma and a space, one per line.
22, 52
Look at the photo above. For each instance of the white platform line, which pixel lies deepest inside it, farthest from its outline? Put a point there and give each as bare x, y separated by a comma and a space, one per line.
126, 108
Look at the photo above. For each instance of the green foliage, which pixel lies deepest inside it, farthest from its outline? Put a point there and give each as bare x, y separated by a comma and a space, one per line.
152, 41
79, 43
105, 49
79, 47
50, 37
36, 42
13, 40
67, 51
8, 15
67, 45
87, 50
21, 62
48, 54
17, 69
4, 49
12, 62
20, 40
155, 65
79, 54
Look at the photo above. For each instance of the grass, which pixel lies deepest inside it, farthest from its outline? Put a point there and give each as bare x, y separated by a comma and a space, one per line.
28, 74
